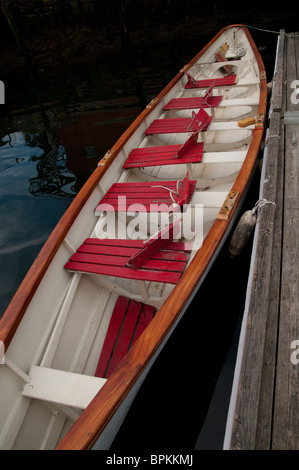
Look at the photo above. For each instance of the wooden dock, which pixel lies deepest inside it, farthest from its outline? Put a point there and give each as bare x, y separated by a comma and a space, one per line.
264, 407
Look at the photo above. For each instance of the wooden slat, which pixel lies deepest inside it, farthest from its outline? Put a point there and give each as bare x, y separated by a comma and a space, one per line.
177, 125
169, 126
159, 262
113, 262
147, 313
129, 319
118, 251
193, 103
153, 156
124, 336
111, 336
146, 197
227, 80
278, 79
189, 152
173, 246
126, 273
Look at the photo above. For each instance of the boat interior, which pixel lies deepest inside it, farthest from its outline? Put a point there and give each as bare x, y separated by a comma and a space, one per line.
63, 353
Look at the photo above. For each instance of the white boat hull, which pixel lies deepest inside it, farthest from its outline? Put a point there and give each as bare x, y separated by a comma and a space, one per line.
54, 331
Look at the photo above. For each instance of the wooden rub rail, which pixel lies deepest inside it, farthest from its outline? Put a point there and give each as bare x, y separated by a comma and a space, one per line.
264, 407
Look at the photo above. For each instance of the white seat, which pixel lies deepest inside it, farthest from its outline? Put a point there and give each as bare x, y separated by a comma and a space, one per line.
63, 388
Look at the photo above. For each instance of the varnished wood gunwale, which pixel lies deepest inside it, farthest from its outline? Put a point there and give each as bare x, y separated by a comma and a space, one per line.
92, 422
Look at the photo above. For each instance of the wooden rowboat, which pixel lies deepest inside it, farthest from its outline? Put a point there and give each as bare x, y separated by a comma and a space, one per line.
124, 262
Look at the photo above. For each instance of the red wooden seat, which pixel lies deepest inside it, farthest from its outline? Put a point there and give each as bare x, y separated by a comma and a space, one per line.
206, 101
190, 152
151, 196
158, 260
199, 121
129, 319
193, 103
226, 80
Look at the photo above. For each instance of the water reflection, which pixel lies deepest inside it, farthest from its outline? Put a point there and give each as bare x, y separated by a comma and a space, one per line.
29, 169
53, 177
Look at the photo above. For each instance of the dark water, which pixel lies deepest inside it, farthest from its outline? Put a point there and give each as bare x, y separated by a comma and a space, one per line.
55, 126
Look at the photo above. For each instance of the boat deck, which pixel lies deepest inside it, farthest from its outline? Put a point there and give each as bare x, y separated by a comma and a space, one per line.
264, 408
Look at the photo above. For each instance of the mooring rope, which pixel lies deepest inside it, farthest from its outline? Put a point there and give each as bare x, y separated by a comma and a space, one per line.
261, 203
266, 30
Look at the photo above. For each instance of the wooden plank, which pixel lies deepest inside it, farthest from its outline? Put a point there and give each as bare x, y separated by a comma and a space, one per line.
278, 79
286, 410
220, 57
64, 388
159, 263
128, 252
224, 157
112, 333
247, 405
147, 314
152, 156
291, 74
153, 159
227, 80
218, 126
180, 246
124, 336
117, 251
120, 257
266, 399
189, 152
198, 122
123, 272
105, 257
239, 102
129, 319
264, 431
193, 103
143, 197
